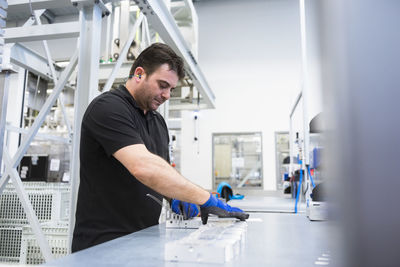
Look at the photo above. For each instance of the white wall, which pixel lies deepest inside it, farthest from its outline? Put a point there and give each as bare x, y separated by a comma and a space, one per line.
249, 52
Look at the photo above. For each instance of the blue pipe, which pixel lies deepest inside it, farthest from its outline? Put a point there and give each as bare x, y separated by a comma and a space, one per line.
298, 189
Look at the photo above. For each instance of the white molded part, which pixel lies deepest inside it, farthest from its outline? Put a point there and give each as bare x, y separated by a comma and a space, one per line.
218, 241
176, 221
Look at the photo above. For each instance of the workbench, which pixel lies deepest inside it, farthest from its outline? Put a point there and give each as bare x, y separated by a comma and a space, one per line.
273, 239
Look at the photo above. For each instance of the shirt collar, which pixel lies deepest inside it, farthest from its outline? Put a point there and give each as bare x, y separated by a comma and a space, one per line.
126, 94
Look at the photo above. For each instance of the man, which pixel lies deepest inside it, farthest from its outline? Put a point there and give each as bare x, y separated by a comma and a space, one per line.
124, 156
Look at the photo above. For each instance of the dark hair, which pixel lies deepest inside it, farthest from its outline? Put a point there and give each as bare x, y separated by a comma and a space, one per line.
156, 55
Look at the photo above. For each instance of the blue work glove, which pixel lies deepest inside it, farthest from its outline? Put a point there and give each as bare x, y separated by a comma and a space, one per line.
188, 210
221, 209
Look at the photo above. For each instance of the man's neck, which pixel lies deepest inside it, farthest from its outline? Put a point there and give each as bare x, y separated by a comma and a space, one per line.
132, 91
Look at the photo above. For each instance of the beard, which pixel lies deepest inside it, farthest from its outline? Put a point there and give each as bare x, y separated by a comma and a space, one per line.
154, 104
148, 101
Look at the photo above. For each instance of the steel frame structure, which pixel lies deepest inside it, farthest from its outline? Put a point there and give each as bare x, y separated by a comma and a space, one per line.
161, 19
12, 163
303, 95
89, 31
40, 32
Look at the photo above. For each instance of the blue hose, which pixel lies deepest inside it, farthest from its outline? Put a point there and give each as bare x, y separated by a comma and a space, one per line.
298, 189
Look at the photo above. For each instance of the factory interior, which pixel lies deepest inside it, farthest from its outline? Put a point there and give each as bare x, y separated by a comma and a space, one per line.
283, 124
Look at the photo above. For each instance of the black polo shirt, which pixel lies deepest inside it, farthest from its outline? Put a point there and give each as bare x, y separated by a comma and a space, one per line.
111, 201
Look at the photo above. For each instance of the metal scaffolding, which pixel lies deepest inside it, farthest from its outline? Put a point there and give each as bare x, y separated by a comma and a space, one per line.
303, 95
86, 57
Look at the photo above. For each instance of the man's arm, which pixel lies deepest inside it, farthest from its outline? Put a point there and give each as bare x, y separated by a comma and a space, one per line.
156, 173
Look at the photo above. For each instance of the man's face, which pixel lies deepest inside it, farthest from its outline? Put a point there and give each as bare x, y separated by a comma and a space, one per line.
155, 89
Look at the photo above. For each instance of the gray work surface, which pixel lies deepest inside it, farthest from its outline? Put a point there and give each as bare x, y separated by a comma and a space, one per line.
273, 239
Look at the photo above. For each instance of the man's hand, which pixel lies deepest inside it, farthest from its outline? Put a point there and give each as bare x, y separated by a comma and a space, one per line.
221, 209
188, 210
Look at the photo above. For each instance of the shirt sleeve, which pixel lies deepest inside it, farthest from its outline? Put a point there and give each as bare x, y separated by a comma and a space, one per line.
112, 124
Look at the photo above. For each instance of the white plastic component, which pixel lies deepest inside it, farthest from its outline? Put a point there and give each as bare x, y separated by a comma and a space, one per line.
176, 221
216, 242
318, 211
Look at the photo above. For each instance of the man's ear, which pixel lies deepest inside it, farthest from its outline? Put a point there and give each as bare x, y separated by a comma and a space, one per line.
139, 72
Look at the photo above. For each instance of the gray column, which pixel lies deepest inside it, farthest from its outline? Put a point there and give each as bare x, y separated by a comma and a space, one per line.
87, 89
4, 82
361, 66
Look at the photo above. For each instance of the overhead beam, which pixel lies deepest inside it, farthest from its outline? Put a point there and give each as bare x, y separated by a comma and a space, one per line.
33, 62
162, 21
89, 3
15, 6
42, 32
106, 68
